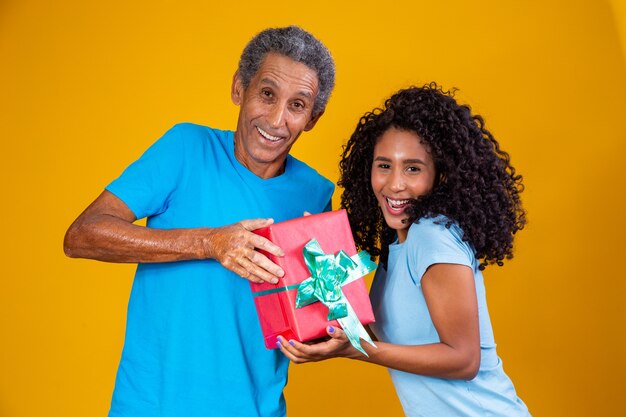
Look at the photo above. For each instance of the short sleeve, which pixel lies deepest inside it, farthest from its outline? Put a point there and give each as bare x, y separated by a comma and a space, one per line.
315, 188
147, 184
430, 243
327, 189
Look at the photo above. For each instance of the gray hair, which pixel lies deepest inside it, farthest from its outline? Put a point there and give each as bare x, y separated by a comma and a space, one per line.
297, 44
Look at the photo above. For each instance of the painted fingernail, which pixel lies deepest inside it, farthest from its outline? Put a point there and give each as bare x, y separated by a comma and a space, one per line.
278, 344
292, 343
331, 329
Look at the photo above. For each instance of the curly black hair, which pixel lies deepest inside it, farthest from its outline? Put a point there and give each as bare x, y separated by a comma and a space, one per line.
476, 186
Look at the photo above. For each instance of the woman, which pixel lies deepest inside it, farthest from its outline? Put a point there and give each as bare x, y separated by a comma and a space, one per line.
429, 191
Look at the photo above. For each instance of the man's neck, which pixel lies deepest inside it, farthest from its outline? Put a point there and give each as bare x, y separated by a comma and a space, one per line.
260, 169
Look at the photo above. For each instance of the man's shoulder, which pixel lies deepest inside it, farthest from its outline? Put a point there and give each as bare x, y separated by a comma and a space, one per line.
307, 173
193, 130
191, 138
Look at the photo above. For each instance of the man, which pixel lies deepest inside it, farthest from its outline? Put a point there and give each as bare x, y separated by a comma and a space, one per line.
193, 342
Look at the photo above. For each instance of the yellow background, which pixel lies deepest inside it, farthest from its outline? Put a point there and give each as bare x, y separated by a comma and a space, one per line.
85, 87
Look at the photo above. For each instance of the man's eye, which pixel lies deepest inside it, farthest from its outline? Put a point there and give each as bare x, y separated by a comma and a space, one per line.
383, 166
266, 93
413, 169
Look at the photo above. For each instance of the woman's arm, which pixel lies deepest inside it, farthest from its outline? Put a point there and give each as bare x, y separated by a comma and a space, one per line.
450, 294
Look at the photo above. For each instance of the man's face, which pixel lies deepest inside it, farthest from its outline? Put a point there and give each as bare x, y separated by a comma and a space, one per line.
274, 110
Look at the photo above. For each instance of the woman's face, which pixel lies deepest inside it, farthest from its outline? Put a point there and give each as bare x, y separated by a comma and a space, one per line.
402, 170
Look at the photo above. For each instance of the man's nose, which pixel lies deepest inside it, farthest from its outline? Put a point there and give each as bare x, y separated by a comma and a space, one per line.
277, 115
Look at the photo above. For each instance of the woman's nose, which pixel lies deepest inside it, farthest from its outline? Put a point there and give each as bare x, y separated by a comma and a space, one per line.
397, 182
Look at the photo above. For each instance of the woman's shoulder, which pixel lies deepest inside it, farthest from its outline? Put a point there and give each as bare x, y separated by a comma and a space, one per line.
436, 240
432, 227
437, 234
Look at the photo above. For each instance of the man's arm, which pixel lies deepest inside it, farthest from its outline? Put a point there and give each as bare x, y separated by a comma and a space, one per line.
105, 232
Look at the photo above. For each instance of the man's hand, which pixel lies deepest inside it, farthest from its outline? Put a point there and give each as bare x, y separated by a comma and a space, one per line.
234, 247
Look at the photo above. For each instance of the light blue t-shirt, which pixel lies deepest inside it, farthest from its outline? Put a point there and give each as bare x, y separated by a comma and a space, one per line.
402, 318
193, 343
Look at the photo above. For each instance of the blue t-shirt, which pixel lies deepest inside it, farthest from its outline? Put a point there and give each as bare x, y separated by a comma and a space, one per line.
193, 343
402, 317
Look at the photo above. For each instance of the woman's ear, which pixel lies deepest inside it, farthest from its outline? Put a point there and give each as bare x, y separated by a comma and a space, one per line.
441, 179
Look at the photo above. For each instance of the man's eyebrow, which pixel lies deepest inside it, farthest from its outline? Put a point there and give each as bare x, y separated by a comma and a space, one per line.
274, 84
270, 82
306, 94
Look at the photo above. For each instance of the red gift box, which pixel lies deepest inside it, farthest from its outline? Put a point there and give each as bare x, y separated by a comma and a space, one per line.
276, 304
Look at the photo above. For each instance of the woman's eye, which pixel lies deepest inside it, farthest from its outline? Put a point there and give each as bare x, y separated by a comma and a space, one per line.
413, 169
384, 166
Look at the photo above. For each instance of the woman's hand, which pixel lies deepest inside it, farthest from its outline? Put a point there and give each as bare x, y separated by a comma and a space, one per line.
337, 346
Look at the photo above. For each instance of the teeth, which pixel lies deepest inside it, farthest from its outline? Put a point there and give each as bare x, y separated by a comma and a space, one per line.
267, 135
397, 202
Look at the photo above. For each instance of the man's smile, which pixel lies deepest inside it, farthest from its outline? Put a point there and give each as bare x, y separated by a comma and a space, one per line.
268, 136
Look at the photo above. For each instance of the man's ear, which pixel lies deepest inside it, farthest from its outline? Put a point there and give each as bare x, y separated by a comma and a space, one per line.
236, 90
311, 124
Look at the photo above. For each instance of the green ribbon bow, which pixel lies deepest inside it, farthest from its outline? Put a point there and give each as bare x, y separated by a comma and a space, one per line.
328, 274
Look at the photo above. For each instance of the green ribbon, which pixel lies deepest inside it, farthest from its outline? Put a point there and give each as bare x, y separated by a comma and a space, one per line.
329, 273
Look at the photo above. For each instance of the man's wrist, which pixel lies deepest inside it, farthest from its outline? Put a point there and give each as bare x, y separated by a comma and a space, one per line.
203, 243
